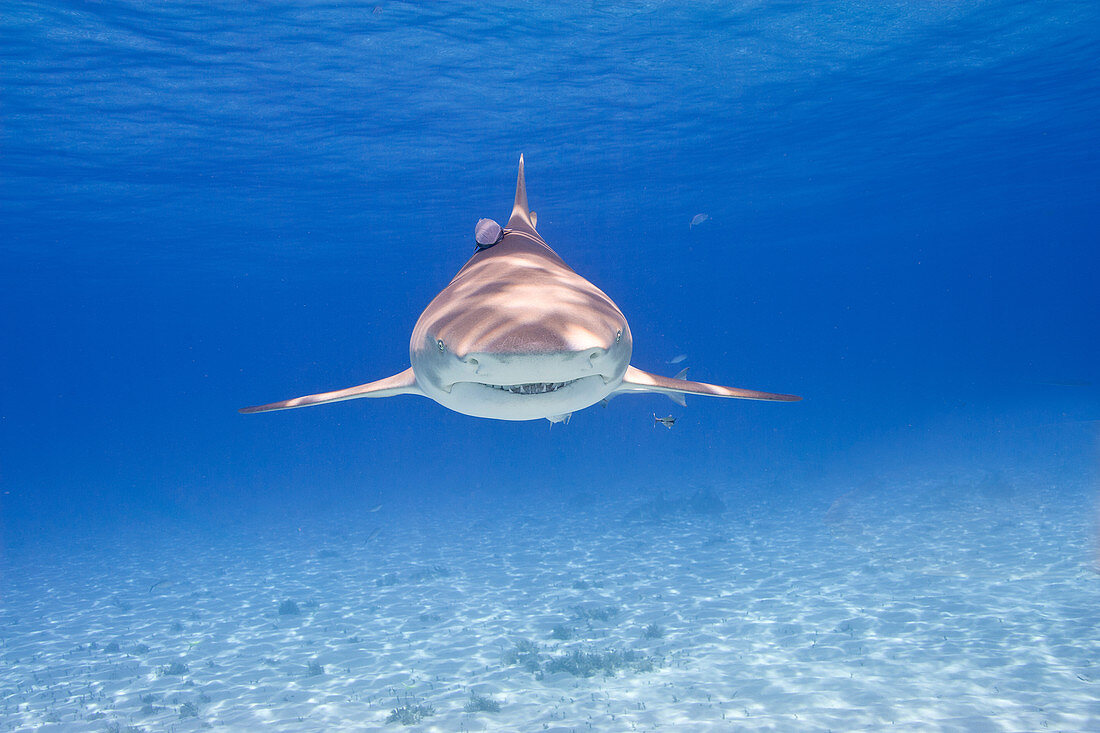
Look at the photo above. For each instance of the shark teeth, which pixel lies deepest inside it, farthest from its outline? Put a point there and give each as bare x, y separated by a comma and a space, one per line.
532, 388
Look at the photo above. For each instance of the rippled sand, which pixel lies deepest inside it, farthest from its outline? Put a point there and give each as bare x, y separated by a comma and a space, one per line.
947, 605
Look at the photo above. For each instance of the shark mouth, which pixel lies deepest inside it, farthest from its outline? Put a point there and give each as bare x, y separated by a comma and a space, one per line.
532, 387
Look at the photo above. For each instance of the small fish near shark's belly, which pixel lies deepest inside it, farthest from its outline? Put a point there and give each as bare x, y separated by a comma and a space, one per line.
523, 401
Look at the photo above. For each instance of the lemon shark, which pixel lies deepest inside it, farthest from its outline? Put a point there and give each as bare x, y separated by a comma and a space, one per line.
518, 335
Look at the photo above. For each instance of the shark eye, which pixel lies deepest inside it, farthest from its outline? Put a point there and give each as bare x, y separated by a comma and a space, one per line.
442, 346
619, 336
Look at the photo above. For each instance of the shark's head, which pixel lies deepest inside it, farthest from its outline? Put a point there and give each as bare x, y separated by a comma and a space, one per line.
517, 335
512, 339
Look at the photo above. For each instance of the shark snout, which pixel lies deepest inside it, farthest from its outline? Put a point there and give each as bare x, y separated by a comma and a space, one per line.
534, 366
592, 355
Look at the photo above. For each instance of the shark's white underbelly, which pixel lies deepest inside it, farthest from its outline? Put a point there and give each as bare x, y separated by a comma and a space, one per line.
523, 402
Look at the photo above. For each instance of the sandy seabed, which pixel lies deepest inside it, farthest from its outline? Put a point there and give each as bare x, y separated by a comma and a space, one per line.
942, 605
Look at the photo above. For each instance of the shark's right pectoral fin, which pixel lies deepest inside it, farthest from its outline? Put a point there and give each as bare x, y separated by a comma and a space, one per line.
635, 380
403, 383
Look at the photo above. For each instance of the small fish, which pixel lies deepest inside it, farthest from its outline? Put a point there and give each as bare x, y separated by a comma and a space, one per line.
677, 359
668, 422
373, 509
697, 220
373, 533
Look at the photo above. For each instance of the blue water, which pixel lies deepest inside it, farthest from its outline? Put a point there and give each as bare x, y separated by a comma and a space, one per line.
209, 206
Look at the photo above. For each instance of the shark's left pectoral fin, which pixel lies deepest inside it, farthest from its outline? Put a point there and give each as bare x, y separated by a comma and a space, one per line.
403, 383
635, 380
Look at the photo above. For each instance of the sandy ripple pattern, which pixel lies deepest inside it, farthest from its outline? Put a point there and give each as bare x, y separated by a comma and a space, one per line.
946, 605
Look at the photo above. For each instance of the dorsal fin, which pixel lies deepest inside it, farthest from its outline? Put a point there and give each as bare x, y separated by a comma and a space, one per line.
521, 215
